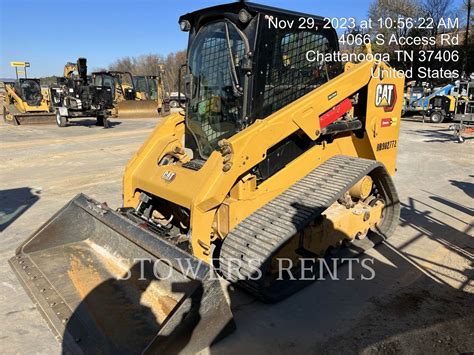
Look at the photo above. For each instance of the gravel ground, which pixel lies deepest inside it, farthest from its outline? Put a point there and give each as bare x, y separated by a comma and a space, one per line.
421, 300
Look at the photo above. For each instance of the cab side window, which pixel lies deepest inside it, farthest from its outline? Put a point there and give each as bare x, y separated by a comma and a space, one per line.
288, 74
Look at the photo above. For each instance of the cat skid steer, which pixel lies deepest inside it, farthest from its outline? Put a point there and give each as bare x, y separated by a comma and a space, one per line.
275, 157
26, 102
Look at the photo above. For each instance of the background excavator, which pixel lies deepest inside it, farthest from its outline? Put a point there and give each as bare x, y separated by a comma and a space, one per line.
128, 101
275, 159
26, 101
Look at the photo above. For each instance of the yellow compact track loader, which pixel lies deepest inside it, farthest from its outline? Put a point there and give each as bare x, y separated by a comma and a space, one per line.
26, 102
128, 103
277, 159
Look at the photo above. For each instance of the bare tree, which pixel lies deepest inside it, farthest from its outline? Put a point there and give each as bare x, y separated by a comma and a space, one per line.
149, 64
123, 64
414, 9
383, 9
437, 10
172, 64
467, 5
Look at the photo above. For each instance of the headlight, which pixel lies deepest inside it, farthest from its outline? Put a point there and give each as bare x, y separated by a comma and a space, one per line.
185, 25
244, 16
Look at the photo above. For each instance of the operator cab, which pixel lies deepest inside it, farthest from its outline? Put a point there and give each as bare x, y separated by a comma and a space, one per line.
104, 79
30, 91
233, 77
147, 85
121, 81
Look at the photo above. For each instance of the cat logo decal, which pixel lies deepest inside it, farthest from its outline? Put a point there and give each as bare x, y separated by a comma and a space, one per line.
385, 96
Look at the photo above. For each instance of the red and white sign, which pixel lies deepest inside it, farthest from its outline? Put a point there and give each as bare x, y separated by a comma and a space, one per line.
386, 122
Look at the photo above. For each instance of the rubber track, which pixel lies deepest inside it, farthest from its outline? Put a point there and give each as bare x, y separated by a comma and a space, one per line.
264, 232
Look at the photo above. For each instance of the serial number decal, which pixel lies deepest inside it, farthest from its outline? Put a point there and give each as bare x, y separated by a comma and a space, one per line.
386, 145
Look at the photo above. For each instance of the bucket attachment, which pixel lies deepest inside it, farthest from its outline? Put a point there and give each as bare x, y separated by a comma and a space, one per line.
105, 284
137, 109
13, 116
34, 119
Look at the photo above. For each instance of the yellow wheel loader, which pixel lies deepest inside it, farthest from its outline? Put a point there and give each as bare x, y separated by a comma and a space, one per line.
277, 163
26, 102
128, 103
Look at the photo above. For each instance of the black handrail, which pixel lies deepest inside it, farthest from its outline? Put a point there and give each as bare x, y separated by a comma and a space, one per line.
179, 85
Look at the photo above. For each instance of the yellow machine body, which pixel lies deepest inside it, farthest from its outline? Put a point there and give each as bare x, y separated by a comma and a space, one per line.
136, 109
12, 97
218, 200
69, 69
16, 110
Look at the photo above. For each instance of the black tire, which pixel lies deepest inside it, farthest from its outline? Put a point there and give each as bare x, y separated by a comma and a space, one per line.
166, 108
437, 117
163, 113
102, 121
61, 121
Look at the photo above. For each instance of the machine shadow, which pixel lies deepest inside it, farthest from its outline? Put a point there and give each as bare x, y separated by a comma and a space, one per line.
354, 313
454, 205
434, 291
442, 135
115, 317
15, 202
467, 187
414, 118
90, 123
